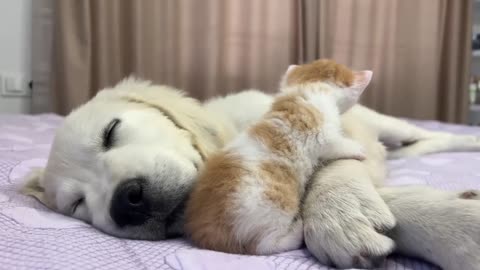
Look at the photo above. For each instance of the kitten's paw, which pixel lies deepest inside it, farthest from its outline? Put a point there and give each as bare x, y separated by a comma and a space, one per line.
345, 148
346, 230
354, 150
360, 155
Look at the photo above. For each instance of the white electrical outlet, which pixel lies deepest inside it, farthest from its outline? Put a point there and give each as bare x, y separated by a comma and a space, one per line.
14, 85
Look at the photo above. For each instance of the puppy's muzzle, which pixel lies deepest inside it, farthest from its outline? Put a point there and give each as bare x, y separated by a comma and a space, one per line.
129, 205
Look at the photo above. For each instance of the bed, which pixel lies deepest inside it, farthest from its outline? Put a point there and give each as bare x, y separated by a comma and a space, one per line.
32, 237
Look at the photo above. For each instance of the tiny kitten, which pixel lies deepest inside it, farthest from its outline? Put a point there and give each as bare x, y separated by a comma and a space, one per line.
247, 197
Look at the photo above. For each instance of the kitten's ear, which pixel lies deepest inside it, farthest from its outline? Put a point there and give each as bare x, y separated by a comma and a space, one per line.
351, 94
290, 68
361, 81
283, 82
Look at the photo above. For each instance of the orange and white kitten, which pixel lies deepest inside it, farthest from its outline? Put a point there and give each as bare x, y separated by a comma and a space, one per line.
247, 197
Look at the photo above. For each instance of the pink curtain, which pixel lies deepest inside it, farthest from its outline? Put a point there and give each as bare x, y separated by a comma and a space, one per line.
207, 47
419, 50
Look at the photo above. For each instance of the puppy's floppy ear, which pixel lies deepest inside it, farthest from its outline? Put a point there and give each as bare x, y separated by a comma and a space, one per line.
207, 131
33, 185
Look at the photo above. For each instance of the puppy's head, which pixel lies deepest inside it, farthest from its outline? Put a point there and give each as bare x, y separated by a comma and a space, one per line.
126, 160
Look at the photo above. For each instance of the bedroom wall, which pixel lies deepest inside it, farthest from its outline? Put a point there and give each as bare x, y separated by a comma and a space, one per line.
15, 51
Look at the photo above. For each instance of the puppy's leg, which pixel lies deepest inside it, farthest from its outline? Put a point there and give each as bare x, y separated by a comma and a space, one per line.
439, 142
344, 217
390, 130
416, 141
438, 226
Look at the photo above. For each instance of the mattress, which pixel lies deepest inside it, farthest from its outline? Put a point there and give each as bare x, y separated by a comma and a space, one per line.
32, 237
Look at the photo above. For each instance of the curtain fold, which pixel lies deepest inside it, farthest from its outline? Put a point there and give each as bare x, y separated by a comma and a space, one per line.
456, 55
419, 50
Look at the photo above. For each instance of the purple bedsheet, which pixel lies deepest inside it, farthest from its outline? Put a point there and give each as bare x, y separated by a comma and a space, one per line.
32, 237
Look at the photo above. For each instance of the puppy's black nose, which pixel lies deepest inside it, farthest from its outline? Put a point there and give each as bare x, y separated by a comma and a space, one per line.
129, 205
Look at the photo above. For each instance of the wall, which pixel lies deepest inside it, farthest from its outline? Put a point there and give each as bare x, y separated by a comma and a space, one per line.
15, 48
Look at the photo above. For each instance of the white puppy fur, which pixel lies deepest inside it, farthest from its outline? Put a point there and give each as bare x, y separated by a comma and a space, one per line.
163, 138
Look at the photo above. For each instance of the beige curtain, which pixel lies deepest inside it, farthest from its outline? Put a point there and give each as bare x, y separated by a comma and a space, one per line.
419, 51
207, 47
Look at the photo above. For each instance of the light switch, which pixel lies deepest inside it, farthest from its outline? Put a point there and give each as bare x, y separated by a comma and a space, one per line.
10, 84
14, 85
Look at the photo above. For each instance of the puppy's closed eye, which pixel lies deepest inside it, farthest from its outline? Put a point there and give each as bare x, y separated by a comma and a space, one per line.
76, 204
108, 138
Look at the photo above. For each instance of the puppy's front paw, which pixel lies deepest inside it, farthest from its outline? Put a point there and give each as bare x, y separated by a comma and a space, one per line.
357, 246
345, 230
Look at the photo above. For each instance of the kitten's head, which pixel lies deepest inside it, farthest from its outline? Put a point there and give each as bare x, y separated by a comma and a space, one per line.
348, 84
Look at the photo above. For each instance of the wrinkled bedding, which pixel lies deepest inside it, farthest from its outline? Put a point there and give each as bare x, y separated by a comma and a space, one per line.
32, 237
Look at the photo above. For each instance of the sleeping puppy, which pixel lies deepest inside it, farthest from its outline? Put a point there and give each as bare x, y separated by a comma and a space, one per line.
126, 161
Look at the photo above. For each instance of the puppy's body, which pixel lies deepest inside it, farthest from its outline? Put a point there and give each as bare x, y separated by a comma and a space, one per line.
164, 136
247, 198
